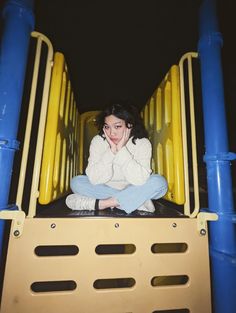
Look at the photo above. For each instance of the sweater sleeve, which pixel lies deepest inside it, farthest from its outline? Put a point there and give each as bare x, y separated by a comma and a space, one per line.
135, 166
99, 169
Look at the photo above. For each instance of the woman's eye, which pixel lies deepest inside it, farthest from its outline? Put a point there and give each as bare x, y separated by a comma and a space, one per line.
106, 127
118, 126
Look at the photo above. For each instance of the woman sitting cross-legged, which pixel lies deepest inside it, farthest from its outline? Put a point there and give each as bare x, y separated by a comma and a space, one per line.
118, 172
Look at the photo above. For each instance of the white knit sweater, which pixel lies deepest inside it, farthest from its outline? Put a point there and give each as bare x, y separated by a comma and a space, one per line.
130, 165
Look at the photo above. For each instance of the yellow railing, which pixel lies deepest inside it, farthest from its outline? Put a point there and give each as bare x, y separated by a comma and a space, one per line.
25, 154
188, 58
165, 119
61, 144
57, 148
162, 118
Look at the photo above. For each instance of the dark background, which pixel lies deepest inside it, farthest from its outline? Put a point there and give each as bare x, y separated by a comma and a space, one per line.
118, 49
121, 49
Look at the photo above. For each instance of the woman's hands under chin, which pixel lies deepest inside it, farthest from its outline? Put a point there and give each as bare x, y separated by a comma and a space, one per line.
116, 147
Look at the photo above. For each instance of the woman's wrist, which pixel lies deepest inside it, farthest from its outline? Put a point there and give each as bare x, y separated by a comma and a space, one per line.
114, 149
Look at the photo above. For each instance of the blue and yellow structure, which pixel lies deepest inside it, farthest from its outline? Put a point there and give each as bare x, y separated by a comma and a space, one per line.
178, 262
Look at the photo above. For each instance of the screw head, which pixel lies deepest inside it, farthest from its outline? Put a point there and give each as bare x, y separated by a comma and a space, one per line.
174, 225
117, 225
203, 232
16, 233
53, 225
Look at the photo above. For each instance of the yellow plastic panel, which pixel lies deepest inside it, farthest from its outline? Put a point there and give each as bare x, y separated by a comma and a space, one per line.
158, 110
151, 112
166, 136
88, 130
147, 266
61, 144
146, 117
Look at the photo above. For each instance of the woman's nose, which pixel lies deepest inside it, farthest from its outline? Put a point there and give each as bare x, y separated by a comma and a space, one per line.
112, 131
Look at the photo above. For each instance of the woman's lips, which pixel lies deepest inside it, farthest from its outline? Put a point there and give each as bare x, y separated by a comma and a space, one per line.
114, 139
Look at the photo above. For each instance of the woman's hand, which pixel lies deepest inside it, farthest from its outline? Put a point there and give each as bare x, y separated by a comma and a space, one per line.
115, 148
124, 139
111, 143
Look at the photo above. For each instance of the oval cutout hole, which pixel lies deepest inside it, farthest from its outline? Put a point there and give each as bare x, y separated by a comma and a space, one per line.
50, 286
59, 250
175, 247
115, 249
173, 311
169, 280
114, 283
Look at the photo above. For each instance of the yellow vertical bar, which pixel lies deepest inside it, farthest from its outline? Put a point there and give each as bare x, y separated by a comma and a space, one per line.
51, 126
44, 104
184, 134
193, 138
29, 125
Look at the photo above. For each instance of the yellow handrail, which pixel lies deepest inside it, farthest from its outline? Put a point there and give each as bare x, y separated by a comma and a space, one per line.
34, 189
42, 121
188, 57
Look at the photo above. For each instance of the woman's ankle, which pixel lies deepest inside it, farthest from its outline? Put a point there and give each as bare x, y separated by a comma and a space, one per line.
107, 203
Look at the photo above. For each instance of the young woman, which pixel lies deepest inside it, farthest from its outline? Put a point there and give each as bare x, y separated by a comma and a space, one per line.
118, 172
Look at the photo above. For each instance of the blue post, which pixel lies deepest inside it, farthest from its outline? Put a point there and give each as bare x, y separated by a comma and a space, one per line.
18, 22
218, 159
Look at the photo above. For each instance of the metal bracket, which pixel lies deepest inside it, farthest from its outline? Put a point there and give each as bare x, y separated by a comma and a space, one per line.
18, 218
202, 219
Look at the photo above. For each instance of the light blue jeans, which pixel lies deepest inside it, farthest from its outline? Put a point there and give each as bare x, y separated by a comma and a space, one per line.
129, 198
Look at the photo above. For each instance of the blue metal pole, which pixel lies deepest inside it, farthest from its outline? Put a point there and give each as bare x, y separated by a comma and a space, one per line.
218, 159
18, 22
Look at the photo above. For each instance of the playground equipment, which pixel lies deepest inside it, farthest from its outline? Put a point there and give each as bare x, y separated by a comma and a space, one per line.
107, 263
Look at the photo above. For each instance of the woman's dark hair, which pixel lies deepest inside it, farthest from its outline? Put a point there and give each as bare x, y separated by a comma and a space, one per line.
126, 112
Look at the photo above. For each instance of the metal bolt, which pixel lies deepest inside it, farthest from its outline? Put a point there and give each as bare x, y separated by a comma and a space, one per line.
174, 225
16, 233
53, 225
117, 225
203, 232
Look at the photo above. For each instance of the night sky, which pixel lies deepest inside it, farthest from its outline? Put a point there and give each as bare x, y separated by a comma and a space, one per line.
118, 49
122, 49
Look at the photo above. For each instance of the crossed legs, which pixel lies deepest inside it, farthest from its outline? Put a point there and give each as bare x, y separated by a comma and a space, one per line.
128, 199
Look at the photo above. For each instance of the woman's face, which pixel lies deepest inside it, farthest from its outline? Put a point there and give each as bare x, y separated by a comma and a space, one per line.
114, 128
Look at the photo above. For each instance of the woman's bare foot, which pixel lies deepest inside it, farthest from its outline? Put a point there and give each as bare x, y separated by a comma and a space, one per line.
107, 203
